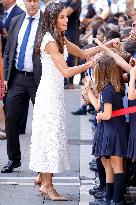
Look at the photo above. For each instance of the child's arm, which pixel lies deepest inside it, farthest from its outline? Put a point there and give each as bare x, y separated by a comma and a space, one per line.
118, 59
106, 115
131, 88
90, 95
130, 9
107, 97
95, 101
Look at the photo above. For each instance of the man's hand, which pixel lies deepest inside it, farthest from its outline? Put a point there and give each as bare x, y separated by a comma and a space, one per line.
5, 33
5, 86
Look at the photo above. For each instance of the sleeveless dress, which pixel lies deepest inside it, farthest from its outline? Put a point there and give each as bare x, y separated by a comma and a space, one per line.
110, 137
49, 144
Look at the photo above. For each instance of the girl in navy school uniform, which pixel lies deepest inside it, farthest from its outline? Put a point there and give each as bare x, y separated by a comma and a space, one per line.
110, 138
130, 47
131, 152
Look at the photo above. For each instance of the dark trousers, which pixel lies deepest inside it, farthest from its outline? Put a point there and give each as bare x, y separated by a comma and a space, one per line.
23, 117
22, 89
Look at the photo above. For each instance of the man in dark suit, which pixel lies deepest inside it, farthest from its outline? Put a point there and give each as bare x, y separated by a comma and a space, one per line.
22, 72
10, 10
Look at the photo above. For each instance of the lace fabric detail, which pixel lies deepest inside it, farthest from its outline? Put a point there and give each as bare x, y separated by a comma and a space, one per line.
49, 144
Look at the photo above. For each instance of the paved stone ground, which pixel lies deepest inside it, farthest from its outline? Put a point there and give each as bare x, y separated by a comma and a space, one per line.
17, 187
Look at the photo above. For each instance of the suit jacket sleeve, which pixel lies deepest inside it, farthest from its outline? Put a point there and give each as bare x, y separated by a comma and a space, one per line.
6, 53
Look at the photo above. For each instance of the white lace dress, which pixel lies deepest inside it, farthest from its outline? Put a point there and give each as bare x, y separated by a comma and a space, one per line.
49, 144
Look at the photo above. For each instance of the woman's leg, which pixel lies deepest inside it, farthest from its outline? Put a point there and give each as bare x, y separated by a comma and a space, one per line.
48, 189
109, 178
119, 178
38, 179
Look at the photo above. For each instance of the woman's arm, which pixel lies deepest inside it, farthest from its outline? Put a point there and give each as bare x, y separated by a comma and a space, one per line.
59, 61
76, 51
118, 59
105, 12
131, 88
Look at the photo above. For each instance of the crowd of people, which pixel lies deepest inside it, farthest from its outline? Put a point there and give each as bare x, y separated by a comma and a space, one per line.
41, 53
106, 89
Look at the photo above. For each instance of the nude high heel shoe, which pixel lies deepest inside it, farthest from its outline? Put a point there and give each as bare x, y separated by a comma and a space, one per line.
52, 193
38, 180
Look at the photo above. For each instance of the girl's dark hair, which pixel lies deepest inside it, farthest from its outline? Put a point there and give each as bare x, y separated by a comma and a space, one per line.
104, 28
49, 22
130, 46
124, 16
111, 34
112, 20
107, 71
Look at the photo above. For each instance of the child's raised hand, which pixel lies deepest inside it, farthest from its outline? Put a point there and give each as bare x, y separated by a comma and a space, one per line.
116, 43
85, 80
132, 62
133, 34
85, 96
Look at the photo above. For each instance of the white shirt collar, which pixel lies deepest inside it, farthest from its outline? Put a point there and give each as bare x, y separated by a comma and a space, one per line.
36, 16
10, 9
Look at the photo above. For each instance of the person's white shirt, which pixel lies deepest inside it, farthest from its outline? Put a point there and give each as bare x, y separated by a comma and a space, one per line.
84, 10
100, 6
28, 63
118, 6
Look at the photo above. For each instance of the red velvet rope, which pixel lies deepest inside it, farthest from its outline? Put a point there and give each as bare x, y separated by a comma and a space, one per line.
123, 111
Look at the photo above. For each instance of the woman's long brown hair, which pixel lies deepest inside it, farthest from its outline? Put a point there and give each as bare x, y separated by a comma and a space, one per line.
49, 23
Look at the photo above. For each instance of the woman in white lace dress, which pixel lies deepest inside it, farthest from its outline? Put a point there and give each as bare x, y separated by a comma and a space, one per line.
49, 145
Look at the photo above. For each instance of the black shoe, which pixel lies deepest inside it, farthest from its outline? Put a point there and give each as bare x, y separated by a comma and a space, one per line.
119, 203
91, 111
106, 202
94, 190
22, 132
91, 120
96, 202
93, 167
101, 194
8, 168
92, 162
79, 112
